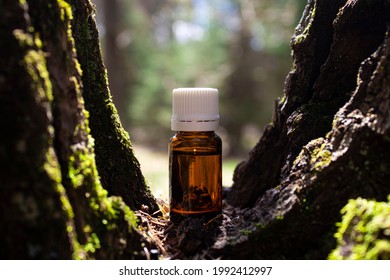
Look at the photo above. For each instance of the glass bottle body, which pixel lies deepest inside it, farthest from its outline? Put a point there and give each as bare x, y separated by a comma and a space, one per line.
195, 174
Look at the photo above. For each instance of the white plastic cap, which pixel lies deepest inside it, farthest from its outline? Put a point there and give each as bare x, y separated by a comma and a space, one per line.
195, 109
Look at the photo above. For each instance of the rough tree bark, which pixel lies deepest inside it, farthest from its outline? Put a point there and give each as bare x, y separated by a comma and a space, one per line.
328, 143
53, 203
329, 139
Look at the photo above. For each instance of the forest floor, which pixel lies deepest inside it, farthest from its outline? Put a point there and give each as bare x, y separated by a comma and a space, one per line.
187, 239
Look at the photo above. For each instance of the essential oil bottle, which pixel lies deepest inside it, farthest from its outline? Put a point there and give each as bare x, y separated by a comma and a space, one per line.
195, 162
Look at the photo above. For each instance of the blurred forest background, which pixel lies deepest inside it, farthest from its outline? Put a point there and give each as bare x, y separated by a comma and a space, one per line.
240, 47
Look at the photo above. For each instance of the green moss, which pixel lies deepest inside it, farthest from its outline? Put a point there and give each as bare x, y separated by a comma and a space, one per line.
118, 204
92, 244
364, 232
24, 39
297, 119
52, 168
109, 213
302, 37
66, 16
36, 67
81, 168
319, 155
321, 158
279, 217
246, 232
35, 63
107, 210
66, 10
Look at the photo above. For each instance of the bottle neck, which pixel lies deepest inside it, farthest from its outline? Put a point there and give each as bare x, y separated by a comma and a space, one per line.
193, 124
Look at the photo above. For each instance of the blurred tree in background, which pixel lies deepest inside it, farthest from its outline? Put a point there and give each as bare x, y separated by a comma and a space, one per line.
240, 47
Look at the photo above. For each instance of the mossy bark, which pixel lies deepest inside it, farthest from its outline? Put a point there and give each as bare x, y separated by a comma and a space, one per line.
31, 192
118, 168
331, 40
331, 135
53, 204
328, 143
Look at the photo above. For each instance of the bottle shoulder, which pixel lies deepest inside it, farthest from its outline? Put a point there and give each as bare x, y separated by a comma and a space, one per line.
196, 136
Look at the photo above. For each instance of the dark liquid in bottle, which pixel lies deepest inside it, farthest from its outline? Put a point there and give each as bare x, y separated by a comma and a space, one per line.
196, 183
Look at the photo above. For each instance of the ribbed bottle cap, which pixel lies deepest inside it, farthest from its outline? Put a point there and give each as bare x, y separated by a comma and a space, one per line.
195, 109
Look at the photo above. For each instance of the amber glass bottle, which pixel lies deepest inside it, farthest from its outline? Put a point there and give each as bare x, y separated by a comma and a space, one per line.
195, 163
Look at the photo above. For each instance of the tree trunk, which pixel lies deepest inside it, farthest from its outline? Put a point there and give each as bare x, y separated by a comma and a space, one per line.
53, 204
118, 168
329, 139
328, 143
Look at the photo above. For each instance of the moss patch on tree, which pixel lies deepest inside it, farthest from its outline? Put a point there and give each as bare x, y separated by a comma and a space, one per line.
364, 232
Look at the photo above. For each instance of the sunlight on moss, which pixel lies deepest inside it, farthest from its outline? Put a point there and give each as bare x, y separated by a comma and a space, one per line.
364, 232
